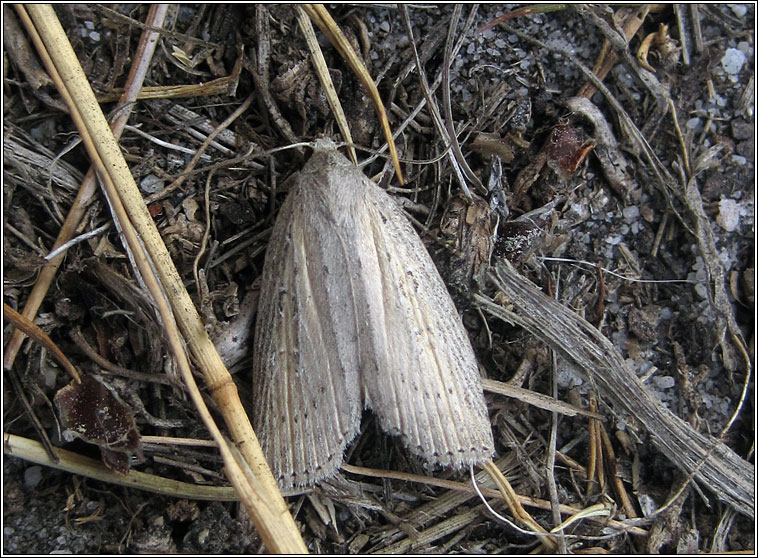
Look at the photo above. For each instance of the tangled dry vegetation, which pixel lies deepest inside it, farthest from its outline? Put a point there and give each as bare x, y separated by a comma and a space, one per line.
593, 225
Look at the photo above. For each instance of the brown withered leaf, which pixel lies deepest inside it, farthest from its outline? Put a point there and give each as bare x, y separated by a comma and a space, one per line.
563, 152
567, 148
92, 412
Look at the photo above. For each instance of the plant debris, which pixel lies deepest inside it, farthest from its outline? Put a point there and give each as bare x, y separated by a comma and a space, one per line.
567, 211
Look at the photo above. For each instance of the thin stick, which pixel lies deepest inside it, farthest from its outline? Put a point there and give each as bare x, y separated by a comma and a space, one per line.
76, 464
201, 150
31, 329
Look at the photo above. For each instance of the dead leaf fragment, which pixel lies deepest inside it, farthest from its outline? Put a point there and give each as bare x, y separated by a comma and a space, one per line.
90, 410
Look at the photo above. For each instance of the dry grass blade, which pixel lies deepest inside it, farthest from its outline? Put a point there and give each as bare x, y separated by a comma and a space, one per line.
319, 15
24, 324
322, 71
525, 11
447, 106
598, 510
536, 399
514, 504
681, 20
607, 58
460, 493
434, 109
259, 493
220, 86
619, 44
726, 320
201, 150
71, 462
595, 458
434, 533
552, 485
618, 486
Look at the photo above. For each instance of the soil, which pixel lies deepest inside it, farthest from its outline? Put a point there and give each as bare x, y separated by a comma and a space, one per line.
624, 253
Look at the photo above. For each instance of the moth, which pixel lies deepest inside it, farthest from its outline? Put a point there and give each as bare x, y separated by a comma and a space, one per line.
353, 314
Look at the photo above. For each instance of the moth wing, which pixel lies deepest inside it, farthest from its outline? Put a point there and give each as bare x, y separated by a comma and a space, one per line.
429, 391
305, 370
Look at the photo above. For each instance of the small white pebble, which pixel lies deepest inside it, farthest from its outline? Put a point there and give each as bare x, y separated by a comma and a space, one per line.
89, 25
663, 382
701, 290
647, 504
694, 124
32, 476
733, 60
729, 215
738, 9
631, 212
567, 376
94, 35
580, 210
49, 375
739, 160
202, 536
151, 184
619, 338
613, 240
384, 26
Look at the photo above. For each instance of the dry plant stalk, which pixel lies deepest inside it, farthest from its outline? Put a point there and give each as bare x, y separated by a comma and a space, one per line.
87, 190
28, 327
354, 314
77, 464
258, 491
322, 71
321, 17
221, 86
704, 457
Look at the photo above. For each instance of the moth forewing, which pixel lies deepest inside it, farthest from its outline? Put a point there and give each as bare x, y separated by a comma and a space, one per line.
428, 391
306, 394
354, 314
